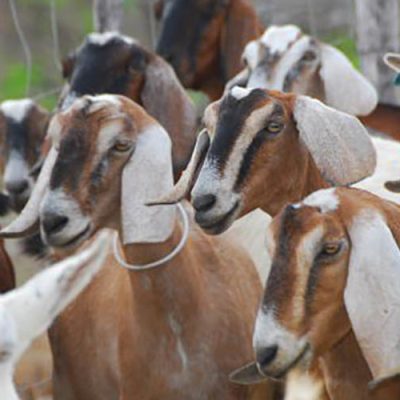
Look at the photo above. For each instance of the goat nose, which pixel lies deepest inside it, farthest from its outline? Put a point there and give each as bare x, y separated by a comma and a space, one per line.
204, 202
53, 223
17, 187
266, 355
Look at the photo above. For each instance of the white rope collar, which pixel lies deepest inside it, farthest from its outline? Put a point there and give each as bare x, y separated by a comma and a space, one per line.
168, 257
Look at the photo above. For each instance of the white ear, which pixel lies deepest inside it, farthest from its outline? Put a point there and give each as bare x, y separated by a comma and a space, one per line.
32, 308
147, 176
338, 142
372, 294
345, 88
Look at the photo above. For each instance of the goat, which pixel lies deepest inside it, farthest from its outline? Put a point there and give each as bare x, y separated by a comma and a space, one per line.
332, 294
286, 59
113, 63
198, 306
23, 125
216, 31
28, 311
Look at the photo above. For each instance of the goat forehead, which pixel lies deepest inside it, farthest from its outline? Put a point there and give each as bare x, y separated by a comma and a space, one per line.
326, 200
102, 39
277, 39
16, 110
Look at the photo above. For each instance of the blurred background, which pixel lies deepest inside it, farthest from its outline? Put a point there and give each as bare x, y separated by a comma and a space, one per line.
54, 27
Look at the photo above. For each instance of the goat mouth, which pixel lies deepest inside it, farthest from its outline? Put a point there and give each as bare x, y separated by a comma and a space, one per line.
283, 372
74, 241
219, 224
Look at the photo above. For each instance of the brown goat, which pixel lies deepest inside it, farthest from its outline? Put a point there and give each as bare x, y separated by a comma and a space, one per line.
139, 334
113, 63
332, 293
23, 125
208, 54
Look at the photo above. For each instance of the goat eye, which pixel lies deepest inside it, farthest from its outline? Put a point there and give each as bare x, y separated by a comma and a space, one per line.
122, 146
274, 127
331, 249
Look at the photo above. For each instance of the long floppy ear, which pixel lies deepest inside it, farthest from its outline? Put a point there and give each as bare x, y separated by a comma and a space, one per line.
345, 88
34, 306
27, 222
147, 175
338, 142
164, 98
186, 181
240, 27
247, 375
372, 294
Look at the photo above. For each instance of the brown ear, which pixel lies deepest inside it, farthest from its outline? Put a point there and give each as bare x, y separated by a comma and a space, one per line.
241, 26
67, 65
247, 375
165, 99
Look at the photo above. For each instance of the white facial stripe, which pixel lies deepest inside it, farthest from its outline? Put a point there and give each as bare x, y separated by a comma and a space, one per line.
251, 53
101, 39
107, 134
17, 170
16, 109
239, 93
325, 199
288, 60
277, 39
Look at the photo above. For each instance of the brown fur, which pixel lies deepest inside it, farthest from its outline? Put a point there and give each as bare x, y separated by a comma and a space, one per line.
117, 341
325, 320
7, 274
218, 55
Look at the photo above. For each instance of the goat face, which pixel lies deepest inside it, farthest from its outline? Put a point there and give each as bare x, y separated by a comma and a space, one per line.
287, 60
23, 127
303, 314
194, 54
105, 63
94, 141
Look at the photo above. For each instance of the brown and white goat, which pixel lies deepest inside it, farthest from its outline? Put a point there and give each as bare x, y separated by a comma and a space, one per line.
23, 125
208, 54
149, 333
113, 63
332, 294
286, 59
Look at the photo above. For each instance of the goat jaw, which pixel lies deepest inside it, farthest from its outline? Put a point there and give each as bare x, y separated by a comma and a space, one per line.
186, 181
28, 221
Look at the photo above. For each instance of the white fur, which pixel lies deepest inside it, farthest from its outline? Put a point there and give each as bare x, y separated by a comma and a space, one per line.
251, 53
16, 109
239, 93
372, 294
278, 38
326, 200
28, 311
300, 385
17, 170
101, 39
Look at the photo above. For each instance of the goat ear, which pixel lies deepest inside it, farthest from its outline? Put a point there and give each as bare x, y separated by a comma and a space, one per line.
247, 375
34, 306
186, 181
241, 26
27, 222
67, 65
338, 142
372, 292
345, 88
164, 98
147, 175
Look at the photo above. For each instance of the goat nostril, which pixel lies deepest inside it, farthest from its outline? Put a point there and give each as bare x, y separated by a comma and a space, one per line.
204, 202
266, 355
53, 223
17, 187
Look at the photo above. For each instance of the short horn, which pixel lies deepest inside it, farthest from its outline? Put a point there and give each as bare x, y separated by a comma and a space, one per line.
186, 181
247, 375
27, 222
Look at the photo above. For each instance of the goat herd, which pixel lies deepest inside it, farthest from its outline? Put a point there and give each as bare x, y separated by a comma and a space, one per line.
167, 305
